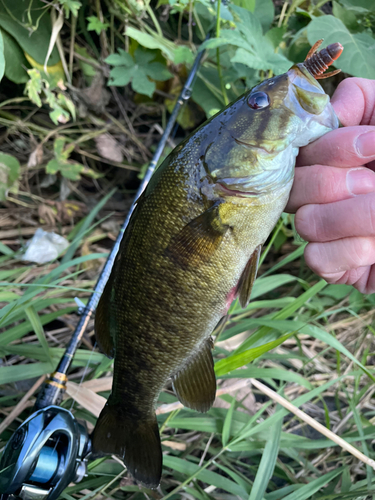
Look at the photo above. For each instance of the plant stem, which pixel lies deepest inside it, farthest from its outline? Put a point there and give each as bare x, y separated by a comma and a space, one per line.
71, 46
223, 90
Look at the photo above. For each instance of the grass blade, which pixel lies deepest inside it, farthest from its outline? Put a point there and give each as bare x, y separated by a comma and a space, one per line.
267, 463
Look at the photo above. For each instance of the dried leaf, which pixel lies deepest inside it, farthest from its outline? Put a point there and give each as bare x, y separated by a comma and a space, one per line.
36, 157
95, 97
109, 148
47, 215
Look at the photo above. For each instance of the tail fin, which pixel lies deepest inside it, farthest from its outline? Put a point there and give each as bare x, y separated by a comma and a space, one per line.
136, 442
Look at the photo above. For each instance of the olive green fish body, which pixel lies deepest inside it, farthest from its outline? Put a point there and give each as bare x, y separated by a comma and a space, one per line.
170, 303
191, 247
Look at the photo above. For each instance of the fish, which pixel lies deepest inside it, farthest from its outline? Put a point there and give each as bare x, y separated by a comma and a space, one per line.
192, 246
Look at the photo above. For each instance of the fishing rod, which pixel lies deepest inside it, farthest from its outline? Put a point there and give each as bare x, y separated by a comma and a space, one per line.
51, 448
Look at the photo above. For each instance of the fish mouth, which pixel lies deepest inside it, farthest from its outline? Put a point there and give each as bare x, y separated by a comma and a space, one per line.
253, 146
234, 192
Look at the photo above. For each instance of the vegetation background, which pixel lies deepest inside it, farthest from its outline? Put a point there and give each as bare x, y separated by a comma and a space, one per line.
86, 91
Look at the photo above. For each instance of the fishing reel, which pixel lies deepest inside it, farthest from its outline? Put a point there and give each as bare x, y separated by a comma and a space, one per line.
46, 453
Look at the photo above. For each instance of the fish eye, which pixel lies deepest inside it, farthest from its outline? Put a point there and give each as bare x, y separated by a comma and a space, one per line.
258, 100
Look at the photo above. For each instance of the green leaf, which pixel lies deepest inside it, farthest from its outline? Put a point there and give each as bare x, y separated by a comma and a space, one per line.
203, 96
183, 55
53, 166
15, 60
137, 71
269, 373
143, 57
34, 36
228, 423
121, 59
267, 463
34, 87
192, 470
33, 317
235, 361
360, 6
4, 249
86, 68
254, 50
346, 16
286, 312
141, 84
157, 71
72, 6
9, 374
245, 4
71, 171
80, 231
66, 103
358, 57
152, 42
96, 25
58, 148
283, 326
263, 59
308, 490
265, 12
120, 76
9, 171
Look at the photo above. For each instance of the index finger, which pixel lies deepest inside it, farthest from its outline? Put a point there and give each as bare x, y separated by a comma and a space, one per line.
344, 147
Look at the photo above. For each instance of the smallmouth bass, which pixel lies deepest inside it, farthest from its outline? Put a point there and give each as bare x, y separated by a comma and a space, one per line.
192, 245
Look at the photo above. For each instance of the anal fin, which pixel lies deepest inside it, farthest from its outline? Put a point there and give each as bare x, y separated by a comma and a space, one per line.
195, 383
246, 281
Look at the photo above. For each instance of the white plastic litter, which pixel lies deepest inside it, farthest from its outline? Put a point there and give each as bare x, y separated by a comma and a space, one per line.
44, 247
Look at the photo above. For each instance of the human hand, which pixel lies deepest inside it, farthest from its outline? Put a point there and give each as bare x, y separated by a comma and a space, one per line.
333, 194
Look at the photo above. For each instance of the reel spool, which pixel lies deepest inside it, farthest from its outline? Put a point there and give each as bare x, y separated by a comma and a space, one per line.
44, 455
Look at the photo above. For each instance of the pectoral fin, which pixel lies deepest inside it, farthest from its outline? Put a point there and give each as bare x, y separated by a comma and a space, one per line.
198, 240
195, 383
248, 276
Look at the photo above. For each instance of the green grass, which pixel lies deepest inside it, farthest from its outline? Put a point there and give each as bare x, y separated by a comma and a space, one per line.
293, 337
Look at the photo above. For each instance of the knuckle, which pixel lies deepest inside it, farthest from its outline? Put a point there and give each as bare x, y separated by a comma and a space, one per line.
304, 222
326, 182
314, 258
363, 250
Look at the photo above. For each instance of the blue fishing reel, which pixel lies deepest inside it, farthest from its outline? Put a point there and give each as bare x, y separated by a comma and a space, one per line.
46, 453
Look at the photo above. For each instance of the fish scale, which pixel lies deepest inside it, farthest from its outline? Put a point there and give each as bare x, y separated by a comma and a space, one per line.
191, 246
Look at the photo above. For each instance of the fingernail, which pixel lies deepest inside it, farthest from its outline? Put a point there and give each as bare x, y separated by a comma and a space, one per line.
366, 144
360, 181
